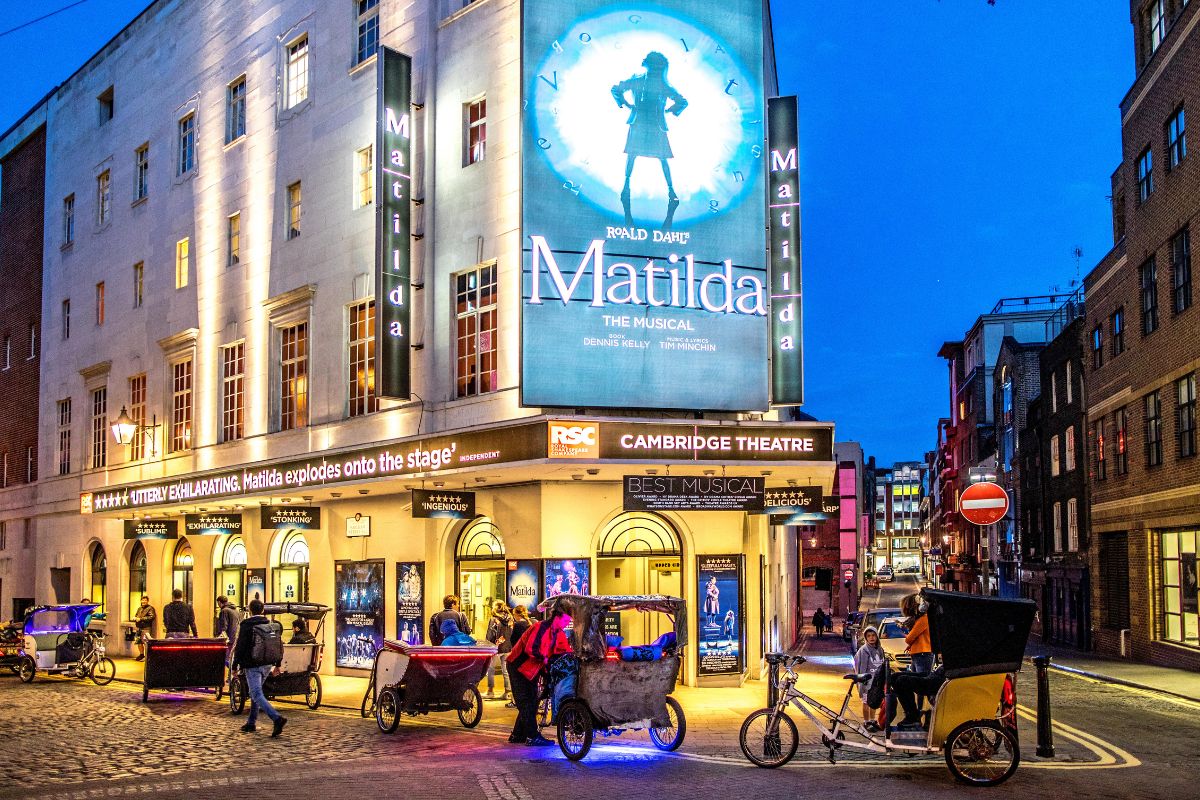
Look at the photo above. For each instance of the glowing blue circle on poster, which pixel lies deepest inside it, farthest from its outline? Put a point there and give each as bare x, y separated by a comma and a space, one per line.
646, 115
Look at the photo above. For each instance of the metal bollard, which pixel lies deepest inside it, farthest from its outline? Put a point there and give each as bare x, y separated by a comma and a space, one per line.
1045, 736
772, 684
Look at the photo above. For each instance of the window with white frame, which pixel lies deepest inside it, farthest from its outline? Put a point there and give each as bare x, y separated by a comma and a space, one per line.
137, 413
1156, 25
233, 240
100, 303
364, 176
1145, 175
1185, 415
1070, 384
233, 377
1176, 139
141, 172
475, 320
183, 255
1073, 525
66, 319
1058, 538
181, 405
1152, 404
30, 464
98, 429
106, 105
367, 40
1069, 447
187, 145
293, 377
33, 343
293, 210
235, 110
475, 133
63, 445
363, 398
104, 198
139, 283
296, 79
68, 220
1054, 463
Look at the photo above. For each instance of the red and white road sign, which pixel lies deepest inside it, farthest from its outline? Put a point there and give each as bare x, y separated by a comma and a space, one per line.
848, 574
983, 503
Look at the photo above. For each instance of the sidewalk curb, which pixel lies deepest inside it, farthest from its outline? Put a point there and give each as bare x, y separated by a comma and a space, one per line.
1097, 676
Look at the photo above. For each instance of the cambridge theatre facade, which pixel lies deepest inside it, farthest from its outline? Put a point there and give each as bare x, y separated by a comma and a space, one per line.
365, 303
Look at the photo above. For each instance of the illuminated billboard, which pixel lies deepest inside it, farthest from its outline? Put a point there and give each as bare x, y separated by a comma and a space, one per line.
644, 279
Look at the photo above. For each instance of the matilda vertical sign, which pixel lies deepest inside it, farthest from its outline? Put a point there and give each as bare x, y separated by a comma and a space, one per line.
787, 318
393, 255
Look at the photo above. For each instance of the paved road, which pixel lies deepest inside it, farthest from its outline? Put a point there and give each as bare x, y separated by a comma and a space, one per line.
64, 739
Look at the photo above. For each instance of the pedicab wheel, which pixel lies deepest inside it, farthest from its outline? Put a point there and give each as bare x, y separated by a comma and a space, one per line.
387, 711
767, 747
574, 730
103, 672
237, 695
982, 753
312, 696
669, 737
473, 711
26, 669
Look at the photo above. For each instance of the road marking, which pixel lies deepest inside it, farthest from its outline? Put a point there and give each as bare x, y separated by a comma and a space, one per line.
1172, 698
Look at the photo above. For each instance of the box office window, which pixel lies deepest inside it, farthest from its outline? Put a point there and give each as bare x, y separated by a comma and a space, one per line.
1178, 593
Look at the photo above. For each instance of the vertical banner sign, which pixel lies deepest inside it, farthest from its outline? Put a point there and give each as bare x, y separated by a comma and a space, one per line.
256, 584
359, 595
787, 313
521, 581
393, 217
644, 268
722, 614
410, 602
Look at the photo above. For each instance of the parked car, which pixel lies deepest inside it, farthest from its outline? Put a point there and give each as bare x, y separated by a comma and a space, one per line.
873, 618
885, 574
891, 639
851, 625
911, 569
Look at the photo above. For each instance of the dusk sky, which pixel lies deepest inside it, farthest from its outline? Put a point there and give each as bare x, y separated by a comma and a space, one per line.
953, 153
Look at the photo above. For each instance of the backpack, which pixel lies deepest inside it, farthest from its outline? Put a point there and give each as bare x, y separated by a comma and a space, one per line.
266, 643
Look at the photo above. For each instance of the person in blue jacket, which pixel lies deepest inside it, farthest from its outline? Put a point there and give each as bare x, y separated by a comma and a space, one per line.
453, 637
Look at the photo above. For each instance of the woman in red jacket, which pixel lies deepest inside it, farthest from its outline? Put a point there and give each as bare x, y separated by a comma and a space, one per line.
529, 658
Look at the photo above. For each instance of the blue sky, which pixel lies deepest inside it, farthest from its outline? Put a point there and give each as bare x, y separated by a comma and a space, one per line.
952, 153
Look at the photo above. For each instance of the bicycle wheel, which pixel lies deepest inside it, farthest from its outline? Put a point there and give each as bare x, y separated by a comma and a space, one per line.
387, 711
312, 697
669, 737
103, 671
26, 669
574, 730
470, 716
982, 753
769, 745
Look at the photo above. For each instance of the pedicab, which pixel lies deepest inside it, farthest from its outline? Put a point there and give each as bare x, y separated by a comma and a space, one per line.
57, 641
12, 652
299, 671
184, 665
423, 679
973, 722
619, 688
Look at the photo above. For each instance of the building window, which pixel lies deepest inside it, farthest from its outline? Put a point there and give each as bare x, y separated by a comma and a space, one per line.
475, 135
64, 437
100, 303
137, 412
1178, 598
297, 72
1153, 407
1101, 461
141, 172
364, 176
233, 240
183, 250
33, 334
1069, 447
475, 331
98, 430
1176, 139
1121, 423
1097, 347
1181, 272
1073, 525
1185, 415
104, 198
363, 399
105, 105
1156, 26
293, 375
4, 469
7, 352
1057, 512
181, 405
1149, 278
187, 144
30, 464
1145, 167
1118, 331
66, 319
68, 231
1070, 384
368, 30
233, 376
139, 283
235, 110
1054, 462
293, 210
1053, 392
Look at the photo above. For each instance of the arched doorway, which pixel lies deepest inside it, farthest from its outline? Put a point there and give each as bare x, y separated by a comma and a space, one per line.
181, 570
137, 578
98, 581
230, 578
289, 582
640, 553
479, 564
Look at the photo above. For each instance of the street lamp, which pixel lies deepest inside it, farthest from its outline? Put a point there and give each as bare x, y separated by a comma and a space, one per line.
124, 428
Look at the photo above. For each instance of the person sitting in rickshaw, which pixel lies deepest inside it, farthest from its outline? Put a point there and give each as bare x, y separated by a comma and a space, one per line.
453, 637
300, 633
908, 687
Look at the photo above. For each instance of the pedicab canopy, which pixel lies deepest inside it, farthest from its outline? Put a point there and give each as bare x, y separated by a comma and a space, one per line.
71, 618
978, 635
302, 610
587, 617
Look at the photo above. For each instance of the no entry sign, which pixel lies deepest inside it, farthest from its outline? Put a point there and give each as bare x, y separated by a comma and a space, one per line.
983, 503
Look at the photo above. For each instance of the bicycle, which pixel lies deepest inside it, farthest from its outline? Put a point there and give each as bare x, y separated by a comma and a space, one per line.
93, 663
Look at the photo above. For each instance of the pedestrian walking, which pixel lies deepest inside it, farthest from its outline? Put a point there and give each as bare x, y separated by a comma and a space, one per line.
179, 619
145, 624
818, 622
499, 633
258, 653
449, 611
228, 619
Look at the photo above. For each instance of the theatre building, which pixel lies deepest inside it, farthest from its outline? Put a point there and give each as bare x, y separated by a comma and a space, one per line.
364, 303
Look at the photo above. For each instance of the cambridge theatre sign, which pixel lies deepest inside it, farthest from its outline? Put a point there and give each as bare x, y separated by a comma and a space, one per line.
543, 440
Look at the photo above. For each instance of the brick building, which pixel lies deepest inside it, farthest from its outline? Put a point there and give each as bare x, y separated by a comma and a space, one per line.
1143, 335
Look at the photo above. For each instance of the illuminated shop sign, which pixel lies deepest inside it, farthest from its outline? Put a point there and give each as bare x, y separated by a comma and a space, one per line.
644, 276
443, 505
212, 524
793, 500
151, 529
787, 306
691, 493
393, 242
640, 441
304, 518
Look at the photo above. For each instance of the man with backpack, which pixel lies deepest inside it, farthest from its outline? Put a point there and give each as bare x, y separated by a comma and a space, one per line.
258, 652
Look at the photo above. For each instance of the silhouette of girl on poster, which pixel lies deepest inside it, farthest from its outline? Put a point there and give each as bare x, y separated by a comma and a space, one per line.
648, 125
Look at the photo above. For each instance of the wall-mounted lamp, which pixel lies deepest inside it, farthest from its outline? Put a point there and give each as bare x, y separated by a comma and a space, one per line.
124, 429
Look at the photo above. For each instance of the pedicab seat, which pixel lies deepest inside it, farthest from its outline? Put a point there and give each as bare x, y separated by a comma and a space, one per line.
299, 658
